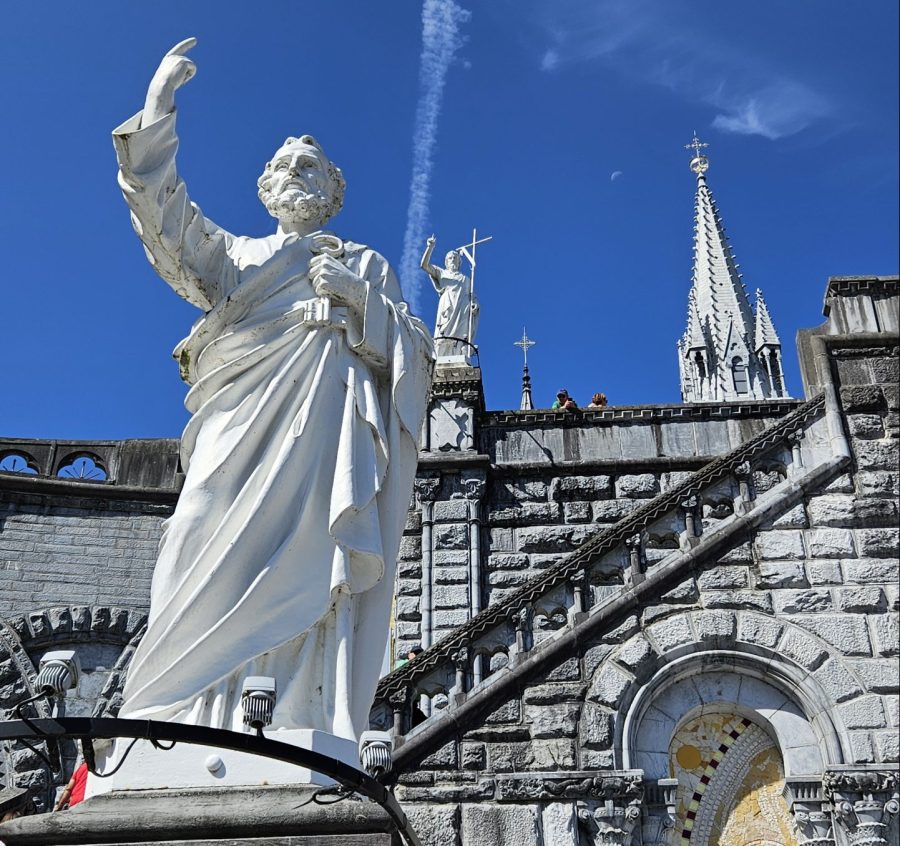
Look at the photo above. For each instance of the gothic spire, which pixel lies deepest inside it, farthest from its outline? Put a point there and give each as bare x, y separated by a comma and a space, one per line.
765, 330
718, 351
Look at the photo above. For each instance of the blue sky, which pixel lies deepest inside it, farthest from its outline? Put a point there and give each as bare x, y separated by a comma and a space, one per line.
542, 104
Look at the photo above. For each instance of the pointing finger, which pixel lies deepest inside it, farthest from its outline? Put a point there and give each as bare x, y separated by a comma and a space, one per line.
182, 47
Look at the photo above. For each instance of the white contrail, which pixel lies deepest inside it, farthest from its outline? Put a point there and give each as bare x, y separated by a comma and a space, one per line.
441, 20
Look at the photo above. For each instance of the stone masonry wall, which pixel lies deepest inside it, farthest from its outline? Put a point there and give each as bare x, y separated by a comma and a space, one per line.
533, 512
65, 550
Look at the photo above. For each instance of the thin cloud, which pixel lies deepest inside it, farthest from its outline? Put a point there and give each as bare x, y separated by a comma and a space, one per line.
662, 44
441, 39
615, 175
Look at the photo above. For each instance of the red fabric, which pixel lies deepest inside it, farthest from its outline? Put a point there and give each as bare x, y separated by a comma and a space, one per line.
80, 778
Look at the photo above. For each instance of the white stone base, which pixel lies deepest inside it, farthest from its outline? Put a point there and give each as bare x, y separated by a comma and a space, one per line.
189, 765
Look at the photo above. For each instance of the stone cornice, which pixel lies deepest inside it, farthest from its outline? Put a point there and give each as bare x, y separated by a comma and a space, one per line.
852, 286
641, 414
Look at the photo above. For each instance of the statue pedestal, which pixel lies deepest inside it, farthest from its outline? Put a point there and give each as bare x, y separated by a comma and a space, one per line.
236, 816
189, 765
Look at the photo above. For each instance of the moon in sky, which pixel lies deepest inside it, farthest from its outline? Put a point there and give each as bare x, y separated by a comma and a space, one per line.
615, 175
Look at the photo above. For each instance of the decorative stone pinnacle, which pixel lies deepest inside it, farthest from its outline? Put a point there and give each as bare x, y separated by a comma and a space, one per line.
699, 162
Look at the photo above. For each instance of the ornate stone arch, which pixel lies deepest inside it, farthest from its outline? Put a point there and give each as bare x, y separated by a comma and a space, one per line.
19, 766
47, 628
792, 684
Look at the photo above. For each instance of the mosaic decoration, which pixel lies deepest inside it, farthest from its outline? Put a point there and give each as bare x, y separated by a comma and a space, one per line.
731, 780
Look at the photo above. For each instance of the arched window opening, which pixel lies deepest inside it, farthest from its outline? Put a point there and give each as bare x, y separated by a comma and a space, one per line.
701, 367
739, 375
775, 370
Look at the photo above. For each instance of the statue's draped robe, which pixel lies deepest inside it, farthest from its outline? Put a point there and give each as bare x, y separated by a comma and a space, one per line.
454, 306
298, 458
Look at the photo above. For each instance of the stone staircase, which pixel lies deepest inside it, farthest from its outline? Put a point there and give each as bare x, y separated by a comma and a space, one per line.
617, 570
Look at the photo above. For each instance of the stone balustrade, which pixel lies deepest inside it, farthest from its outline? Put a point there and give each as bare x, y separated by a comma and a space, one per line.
604, 570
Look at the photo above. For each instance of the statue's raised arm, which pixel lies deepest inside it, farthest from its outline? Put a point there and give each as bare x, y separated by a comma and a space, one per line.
433, 272
186, 249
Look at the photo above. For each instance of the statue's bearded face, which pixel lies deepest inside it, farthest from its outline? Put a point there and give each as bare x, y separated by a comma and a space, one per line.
451, 260
300, 184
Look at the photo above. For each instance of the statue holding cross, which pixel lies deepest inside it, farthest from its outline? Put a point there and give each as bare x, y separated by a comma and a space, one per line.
457, 315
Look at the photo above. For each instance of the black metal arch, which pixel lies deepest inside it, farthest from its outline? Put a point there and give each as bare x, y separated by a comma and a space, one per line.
157, 730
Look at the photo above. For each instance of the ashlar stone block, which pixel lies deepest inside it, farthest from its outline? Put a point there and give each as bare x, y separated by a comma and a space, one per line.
436, 825
887, 634
637, 486
501, 825
559, 823
559, 720
832, 510
577, 512
609, 686
830, 543
879, 675
548, 539
803, 601
847, 633
824, 572
451, 536
839, 684
776, 574
887, 744
671, 632
597, 725
805, 650
611, 511
877, 455
878, 543
568, 488
780, 545
863, 712
637, 656
871, 571
553, 754
747, 599
861, 600
722, 578
795, 518
882, 483
715, 626
759, 630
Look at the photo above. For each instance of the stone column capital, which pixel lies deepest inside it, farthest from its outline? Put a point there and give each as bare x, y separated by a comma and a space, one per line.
864, 803
426, 488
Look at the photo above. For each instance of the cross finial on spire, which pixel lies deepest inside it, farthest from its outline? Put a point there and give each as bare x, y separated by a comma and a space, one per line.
525, 343
699, 162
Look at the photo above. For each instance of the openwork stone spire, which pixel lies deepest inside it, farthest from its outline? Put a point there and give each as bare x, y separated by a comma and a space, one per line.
727, 352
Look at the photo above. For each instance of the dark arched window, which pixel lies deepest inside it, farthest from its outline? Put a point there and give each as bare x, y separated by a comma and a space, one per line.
739, 375
701, 367
775, 370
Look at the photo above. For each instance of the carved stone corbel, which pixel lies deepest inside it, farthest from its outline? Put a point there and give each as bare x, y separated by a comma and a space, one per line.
864, 803
611, 819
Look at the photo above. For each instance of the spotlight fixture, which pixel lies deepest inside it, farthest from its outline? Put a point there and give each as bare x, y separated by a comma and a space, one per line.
375, 748
58, 672
258, 701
